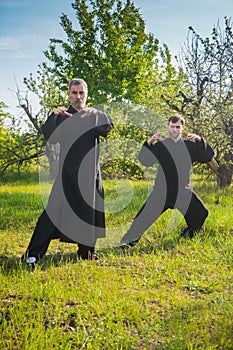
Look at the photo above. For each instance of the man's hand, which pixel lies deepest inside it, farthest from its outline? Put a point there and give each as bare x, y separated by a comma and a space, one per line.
154, 138
59, 111
89, 111
193, 137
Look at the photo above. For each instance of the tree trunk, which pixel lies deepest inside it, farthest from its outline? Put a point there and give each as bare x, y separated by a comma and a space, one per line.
225, 175
52, 152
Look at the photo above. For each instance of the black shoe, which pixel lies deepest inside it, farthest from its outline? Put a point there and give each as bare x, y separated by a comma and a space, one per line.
127, 244
86, 253
186, 233
89, 256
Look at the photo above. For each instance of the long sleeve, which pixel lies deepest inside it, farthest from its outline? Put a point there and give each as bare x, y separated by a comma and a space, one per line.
147, 154
207, 154
104, 124
49, 126
52, 123
201, 152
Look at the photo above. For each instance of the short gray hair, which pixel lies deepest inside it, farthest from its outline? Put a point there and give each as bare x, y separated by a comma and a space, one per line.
77, 81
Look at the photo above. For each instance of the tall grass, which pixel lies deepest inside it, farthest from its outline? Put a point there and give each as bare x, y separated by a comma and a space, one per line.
166, 293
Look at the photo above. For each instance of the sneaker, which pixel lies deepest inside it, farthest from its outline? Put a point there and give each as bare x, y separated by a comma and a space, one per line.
31, 261
95, 256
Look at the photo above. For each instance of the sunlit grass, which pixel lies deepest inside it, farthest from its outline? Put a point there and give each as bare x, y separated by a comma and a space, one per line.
166, 293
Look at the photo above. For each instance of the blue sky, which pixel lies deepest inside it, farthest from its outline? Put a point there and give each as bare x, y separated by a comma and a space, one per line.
27, 25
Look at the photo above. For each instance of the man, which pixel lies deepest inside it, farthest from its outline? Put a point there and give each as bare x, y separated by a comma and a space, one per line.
175, 157
75, 209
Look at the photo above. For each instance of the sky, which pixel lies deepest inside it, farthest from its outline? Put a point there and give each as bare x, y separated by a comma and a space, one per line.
27, 25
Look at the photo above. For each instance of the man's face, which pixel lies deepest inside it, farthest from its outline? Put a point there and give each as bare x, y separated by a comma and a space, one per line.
78, 96
175, 130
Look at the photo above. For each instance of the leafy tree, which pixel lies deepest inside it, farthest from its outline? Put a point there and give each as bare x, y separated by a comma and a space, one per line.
207, 103
168, 81
108, 47
17, 147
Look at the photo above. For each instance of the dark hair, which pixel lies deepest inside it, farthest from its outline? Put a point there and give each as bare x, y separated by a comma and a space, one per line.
77, 81
176, 118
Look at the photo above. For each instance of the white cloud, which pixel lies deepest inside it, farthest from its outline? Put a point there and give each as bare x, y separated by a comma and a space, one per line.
20, 55
8, 43
14, 4
24, 42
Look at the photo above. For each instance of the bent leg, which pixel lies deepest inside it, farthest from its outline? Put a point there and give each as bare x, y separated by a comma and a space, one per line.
147, 215
42, 235
195, 214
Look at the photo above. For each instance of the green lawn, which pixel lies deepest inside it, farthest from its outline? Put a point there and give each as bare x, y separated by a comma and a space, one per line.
166, 293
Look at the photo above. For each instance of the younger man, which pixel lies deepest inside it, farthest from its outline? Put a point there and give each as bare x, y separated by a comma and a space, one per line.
175, 157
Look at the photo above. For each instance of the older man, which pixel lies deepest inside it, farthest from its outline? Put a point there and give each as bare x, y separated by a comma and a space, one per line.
75, 209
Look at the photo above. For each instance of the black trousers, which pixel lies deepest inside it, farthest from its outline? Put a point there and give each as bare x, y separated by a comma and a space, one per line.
44, 232
187, 202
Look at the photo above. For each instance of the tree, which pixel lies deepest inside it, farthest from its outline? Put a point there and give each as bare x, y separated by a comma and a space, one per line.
169, 81
207, 103
108, 47
17, 147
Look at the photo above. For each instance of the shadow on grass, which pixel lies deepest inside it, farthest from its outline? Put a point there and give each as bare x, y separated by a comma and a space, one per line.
15, 264
151, 245
8, 264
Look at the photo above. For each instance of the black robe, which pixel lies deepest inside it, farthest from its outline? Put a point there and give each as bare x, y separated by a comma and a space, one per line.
76, 202
171, 189
175, 161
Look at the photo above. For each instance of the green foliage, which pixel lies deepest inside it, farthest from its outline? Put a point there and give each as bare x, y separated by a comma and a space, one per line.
122, 168
167, 83
133, 125
17, 146
5, 140
108, 48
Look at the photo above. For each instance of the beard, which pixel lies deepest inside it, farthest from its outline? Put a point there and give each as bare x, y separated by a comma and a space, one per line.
78, 105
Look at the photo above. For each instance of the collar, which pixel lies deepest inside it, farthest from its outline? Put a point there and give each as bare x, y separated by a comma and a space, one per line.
176, 142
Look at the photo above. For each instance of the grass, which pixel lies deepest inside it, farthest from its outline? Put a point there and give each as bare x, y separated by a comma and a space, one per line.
166, 293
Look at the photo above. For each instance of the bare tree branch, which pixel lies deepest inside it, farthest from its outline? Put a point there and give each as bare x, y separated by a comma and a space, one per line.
171, 105
21, 160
